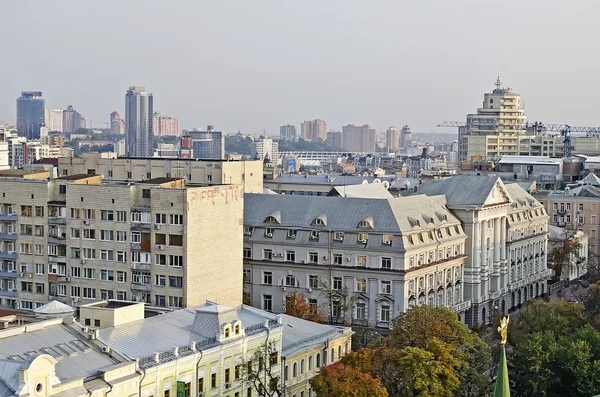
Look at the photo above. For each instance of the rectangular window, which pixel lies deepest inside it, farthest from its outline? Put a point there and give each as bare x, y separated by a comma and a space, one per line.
26, 248
88, 253
26, 210
247, 276
121, 236
39, 231
160, 259
314, 235
363, 238
580, 206
75, 213
89, 234
75, 233
386, 287
160, 300
121, 256
568, 206
39, 249
89, 214
313, 281
89, 273
89, 293
160, 238
161, 219
76, 292
361, 260
176, 240
247, 252
386, 263
146, 193
39, 268
176, 260
121, 277
291, 233
361, 310
337, 259
387, 239
107, 275
337, 283
267, 254
26, 230
175, 282
267, 278
267, 303
136, 237
106, 235
107, 215
161, 280
39, 211
76, 272
175, 219
313, 257
385, 313
121, 216
290, 256
313, 305
361, 285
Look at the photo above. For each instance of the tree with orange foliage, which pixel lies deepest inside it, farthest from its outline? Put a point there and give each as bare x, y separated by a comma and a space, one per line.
296, 305
344, 381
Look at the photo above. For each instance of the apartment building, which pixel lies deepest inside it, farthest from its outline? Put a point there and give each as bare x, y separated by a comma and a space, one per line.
80, 238
383, 255
112, 348
506, 261
359, 138
576, 208
218, 172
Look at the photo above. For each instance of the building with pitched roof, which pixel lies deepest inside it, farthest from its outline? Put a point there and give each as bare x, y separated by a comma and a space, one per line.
384, 254
507, 245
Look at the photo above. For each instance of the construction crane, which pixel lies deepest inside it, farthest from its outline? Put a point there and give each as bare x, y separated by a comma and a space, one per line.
564, 129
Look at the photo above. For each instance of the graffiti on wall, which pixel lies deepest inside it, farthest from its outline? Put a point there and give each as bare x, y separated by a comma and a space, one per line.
227, 193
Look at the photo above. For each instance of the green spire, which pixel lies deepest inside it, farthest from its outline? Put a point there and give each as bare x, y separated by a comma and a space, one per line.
502, 388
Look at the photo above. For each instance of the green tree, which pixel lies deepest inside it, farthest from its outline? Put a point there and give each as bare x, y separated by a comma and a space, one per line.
344, 381
591, 303
259, 372
563, 256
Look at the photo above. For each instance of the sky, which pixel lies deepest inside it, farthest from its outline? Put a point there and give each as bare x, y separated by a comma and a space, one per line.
256, 65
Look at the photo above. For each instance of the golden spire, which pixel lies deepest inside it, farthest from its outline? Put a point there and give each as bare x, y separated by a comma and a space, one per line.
503, 329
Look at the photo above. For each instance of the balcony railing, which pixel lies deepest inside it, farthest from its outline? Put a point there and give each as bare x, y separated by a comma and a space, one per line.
8, 255
8, 236
140, 287
461, 307
141, 266
57, 220
12, 293
8, 274
8, 217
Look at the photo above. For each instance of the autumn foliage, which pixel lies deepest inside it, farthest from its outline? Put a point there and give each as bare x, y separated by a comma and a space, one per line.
345, 381
296, 305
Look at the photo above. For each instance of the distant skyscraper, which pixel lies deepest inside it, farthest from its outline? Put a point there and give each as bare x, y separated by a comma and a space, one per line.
334, 139
165, 125
287, 132
30, 114
314, 130
405, 136
359, 138
54, 119
208, 145
117, 125
72, 120
138, 118
392, 138
265, 149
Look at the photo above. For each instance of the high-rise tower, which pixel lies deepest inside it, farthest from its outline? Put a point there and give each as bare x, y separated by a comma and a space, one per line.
30, 114
138, 118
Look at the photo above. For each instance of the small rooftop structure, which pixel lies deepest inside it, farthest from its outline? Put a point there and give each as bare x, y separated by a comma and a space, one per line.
530, 160
54, 309
364, 190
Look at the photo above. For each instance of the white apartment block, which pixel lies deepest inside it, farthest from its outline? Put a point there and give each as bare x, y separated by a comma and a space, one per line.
218, 172
386, 254
78, 239
507, 246
265, 148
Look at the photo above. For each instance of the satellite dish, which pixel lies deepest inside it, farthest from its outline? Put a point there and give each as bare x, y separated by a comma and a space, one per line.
365, 182
407, 184
377, 180
386, 184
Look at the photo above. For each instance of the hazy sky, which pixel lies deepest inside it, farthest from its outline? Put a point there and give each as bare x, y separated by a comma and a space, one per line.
253, 65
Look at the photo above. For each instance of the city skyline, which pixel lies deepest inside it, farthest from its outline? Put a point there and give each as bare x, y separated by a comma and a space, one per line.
365, 75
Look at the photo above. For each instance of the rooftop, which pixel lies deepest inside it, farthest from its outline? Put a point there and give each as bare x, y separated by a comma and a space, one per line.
532, 160
77, 177
469, 190
331, 180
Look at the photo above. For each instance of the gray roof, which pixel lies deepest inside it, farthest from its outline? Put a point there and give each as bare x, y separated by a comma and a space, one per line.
331, 179
591, 179
394, 215
9, 374
300, 334
461, 189
210, 320
54, 307
364, 190
521, 198
77, 358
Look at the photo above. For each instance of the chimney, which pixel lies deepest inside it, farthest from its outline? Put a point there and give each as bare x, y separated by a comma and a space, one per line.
193, 346
176, 351
156, 357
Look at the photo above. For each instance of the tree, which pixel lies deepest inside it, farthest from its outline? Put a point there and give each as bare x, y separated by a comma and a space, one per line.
340, 301
593, 268
563, 256
296, 305
258, 371
591, 303
344, 381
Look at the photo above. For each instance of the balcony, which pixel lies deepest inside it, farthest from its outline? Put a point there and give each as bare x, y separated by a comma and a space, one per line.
8, 255
141, 266
8, 236
57, 220
12, 293
140, 287
57, 238
141, 226
8, 274
461, 307
8, 218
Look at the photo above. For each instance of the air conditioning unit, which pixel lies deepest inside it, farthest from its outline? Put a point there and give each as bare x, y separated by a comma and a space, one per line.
84, 329
283, 288
67, 279
76, 299
157, 227
269, 234
200, 394
387, 242
227, 385
363, 241
83, 261
86, 222
314, 237
324, 257
348, 259
292, 236
21, 275
17, 305
309, 289
161, 247
29, 275
105, 349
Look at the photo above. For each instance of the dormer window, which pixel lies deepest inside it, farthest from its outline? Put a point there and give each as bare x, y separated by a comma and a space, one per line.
248, 230
227, 331
271, 219
269, 232
366, 223
318, 222
237, 329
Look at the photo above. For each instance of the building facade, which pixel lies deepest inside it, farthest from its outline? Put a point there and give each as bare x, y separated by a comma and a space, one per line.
77, 239
383, 255
507, 247
288, 132
359, 138
138, 118
54, 119
314, 130
117, 124
405, 136
207, 145
392, 139
72, 120
265, 149
30, 114
163, 125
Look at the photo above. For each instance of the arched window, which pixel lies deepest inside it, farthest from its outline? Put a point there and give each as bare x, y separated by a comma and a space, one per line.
346, 348
339, 352
237, 329
302, 367
291, 281
295, 370
227, 331
271, 219
318, 360
310, 363
286, 373
332, 354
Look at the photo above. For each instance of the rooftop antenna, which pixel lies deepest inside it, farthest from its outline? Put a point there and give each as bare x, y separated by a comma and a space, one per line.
498, 83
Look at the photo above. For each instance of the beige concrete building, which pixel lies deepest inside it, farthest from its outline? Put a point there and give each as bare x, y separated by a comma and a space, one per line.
80, 238
246, 173
314, 130
392, 138
359, 138
165, 125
